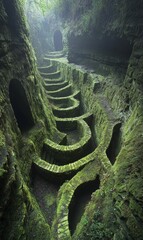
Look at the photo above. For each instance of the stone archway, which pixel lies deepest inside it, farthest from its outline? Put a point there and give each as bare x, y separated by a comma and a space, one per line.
58, 40
20, 105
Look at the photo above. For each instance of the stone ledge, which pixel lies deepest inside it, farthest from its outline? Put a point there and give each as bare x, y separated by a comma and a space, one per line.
65, 153
65, 91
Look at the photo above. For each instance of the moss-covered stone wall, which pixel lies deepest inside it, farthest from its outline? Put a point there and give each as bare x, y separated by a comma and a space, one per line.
117, 205
21, 95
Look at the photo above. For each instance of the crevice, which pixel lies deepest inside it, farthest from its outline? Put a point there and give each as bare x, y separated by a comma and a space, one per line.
80, 199
115, 143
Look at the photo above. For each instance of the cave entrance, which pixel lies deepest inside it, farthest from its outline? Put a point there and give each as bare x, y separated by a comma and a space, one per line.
81, 198
20, 105
58, 40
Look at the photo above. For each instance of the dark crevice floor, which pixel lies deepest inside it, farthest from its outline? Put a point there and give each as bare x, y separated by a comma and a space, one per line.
72, 137
46, 195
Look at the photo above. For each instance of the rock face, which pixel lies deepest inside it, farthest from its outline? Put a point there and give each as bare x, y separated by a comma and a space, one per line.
25, 120
71, 145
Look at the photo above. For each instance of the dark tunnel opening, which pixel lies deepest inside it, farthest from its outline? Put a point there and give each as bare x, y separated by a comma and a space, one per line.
110, 46
109, 54
58, 40
81, 198
115, 144
20, 105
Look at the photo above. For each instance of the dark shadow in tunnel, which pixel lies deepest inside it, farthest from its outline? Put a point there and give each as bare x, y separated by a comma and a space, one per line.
81, 198
58, 40
20, 105
115, 144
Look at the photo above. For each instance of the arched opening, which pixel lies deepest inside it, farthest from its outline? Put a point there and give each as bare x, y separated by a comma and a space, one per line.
20, 105
58, 40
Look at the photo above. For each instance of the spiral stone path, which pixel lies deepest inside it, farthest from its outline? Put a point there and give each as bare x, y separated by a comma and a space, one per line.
77, 160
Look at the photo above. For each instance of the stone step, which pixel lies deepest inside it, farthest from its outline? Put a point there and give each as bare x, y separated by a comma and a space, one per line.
55, 86
48, 168
53, 75
54, 55
47, 69
53, 81
63, 92
57, 100
68, 122
63, 102
63, 154
47, 61
55, 52
71, 111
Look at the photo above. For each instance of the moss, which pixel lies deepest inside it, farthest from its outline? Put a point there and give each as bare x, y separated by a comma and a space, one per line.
69, 111
117, 204
2, 139
135, 227
24, 214
36, 226
96, 231
100, 213
136, 208
2, 172
50, 199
